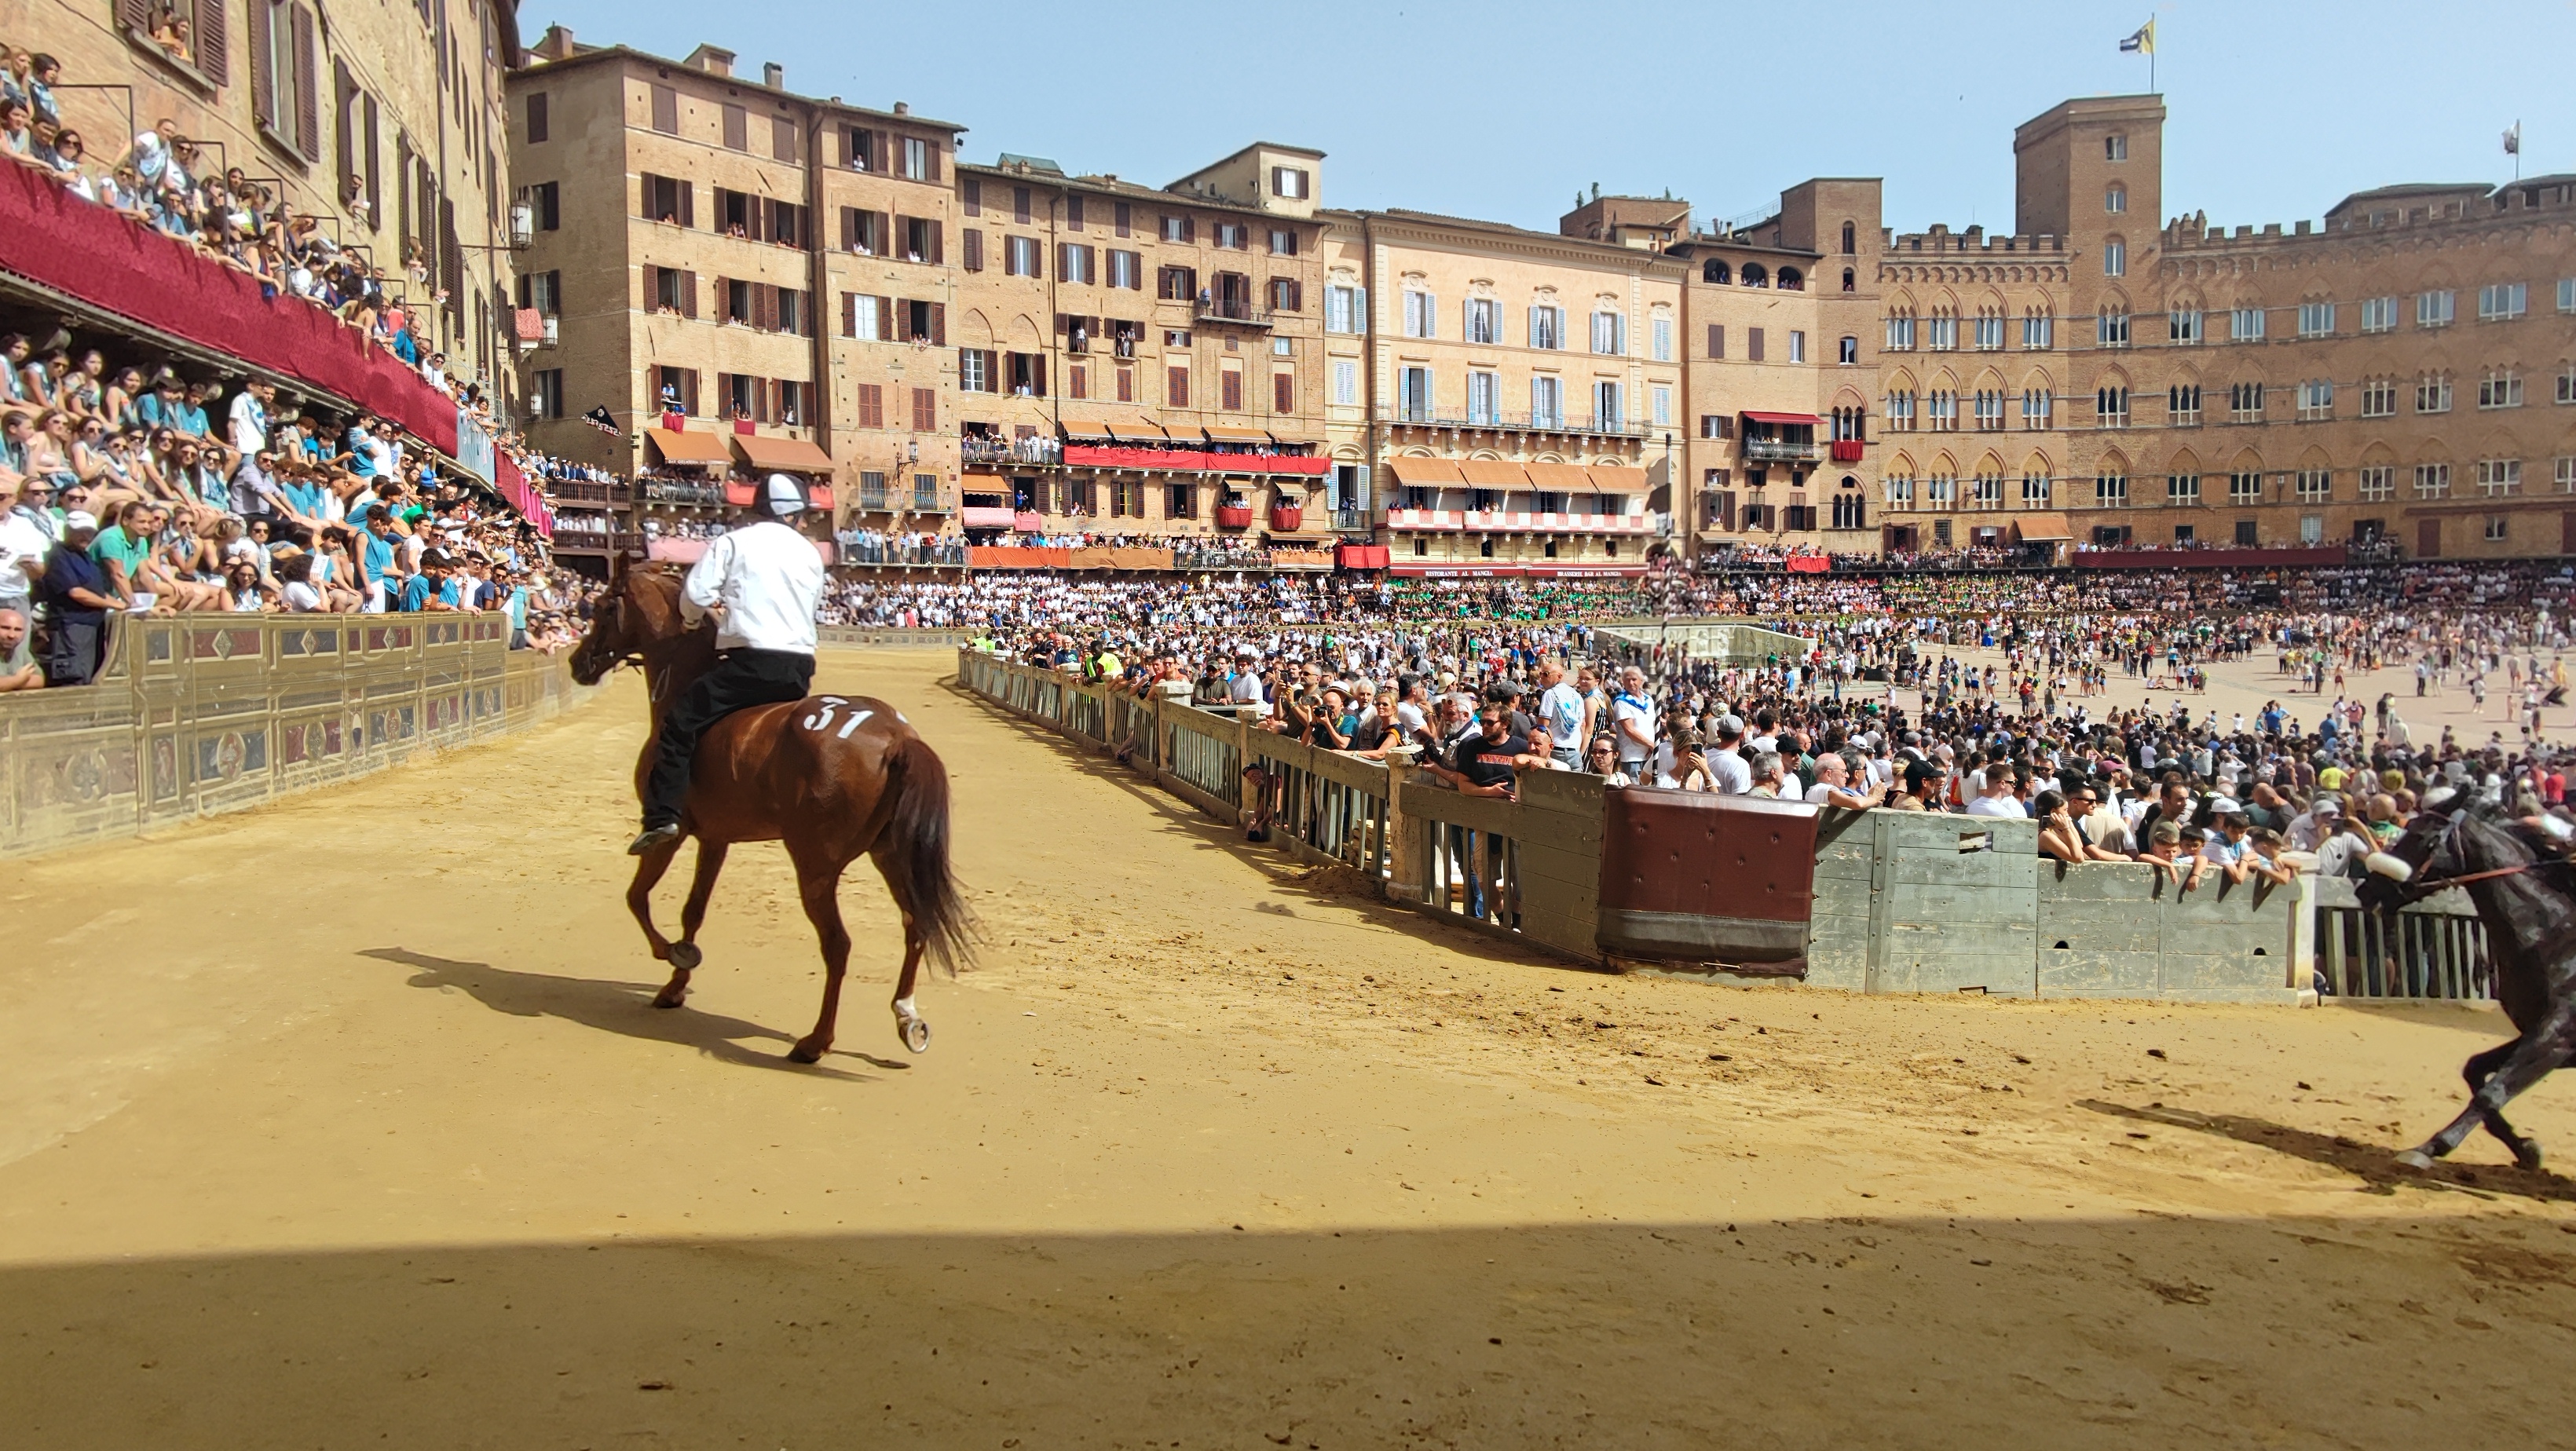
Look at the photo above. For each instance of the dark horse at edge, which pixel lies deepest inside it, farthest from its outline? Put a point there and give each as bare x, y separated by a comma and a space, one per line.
2524, 899
834, 777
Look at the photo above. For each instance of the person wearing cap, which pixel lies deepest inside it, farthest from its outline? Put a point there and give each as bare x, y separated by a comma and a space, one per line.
1727, 768
768, 580
2313, 827
75, 593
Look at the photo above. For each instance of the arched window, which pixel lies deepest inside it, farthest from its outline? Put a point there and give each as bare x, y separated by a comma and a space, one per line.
2115, 198
1715, 271
1851, 240
1754, 276
1791, 280
1850, 281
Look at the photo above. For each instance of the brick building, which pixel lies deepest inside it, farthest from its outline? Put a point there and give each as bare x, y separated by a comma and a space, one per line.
384, 122
1505, 402
1012, 347
1143, 360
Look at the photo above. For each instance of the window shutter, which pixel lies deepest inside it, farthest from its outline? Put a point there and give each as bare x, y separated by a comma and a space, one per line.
938, 239
666, 110
688, 294
1297, 296
849, 314
214, 55
782, 138
934, 148
263, 80
939, 324
1038, 372
880, 149
973, 237
689, 389
652, 285
133, 16
688, 202
970, 193
898, 320
1176, 387
1283, 390
1717, 340
1753, 345
536, 112
849, 229
344, 120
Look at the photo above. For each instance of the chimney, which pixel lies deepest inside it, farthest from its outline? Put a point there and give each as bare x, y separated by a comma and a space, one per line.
557, 44
903, 108
773, 75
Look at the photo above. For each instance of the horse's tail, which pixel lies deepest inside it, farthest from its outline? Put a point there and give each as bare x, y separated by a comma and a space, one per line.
918, 786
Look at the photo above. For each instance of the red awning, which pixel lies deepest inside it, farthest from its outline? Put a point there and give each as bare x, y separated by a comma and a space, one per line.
989, 516
1362, 556
1803, 420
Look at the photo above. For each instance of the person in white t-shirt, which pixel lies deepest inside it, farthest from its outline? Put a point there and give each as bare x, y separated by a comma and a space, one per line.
1633, 722
1998, 799
1726, 764
1833, 786
1563, 712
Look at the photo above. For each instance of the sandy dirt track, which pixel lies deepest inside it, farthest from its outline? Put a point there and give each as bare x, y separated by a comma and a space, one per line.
346, 1124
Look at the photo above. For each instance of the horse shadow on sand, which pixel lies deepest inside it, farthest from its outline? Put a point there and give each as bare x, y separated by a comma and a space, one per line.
624, 1008
2374, 1164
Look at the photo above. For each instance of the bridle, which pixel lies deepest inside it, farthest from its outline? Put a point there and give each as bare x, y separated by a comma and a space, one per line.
2420, 886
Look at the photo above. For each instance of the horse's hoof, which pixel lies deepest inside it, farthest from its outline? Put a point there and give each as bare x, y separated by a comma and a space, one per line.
2527, 1154
685, 956
915, 1033
671, 996
2417, 1160
807, 1051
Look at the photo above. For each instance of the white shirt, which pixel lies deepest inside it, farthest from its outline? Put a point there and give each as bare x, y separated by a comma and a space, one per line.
769, 578
1734, 777
2005, 806
20, 539
1560, 706
250, 424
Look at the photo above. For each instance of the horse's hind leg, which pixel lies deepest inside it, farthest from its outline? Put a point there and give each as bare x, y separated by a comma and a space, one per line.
908, 1024
819, 882
2530, 1059
685, 955
2526, 1151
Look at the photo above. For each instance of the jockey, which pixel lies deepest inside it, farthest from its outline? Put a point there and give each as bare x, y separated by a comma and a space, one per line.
768, 579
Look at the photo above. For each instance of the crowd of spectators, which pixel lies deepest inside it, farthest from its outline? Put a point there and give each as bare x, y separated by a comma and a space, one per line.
130, 486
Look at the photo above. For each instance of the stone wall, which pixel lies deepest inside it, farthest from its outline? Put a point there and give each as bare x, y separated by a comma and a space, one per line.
199, 714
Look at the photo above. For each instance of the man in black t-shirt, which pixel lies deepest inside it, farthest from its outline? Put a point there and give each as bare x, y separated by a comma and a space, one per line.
1486, 760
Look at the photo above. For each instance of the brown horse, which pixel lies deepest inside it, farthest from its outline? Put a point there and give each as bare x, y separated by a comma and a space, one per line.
834, 777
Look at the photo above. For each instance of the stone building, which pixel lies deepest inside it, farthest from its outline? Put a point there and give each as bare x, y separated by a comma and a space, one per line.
1505, 402
1145, 360
383, 122
742, 277
2401, 372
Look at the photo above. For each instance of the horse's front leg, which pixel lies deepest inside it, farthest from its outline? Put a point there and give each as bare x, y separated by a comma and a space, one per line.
639, 894
685, 955
2534, 1055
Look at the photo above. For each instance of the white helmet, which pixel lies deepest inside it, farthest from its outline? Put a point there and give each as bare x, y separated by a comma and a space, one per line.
783, 496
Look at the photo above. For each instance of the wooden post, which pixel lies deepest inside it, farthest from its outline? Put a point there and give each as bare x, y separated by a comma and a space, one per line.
1408, 842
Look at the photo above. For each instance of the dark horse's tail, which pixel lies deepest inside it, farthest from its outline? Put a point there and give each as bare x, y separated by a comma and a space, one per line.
918, 831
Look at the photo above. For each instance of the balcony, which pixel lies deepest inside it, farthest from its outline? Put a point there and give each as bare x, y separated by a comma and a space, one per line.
1496, 521
1240, 311
582, 491
1035, 450
1778, 451
681, 491
1597, 425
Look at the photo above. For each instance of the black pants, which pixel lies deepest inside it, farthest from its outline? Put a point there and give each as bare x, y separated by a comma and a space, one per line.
740, 679
72, 655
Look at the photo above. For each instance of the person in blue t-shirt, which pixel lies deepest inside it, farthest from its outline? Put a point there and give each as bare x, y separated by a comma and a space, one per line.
434, 588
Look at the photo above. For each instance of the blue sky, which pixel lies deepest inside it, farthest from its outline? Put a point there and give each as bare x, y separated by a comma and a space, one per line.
1504, 110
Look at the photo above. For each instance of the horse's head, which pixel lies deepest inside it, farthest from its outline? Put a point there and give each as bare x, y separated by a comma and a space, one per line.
640, 609
2445, 842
